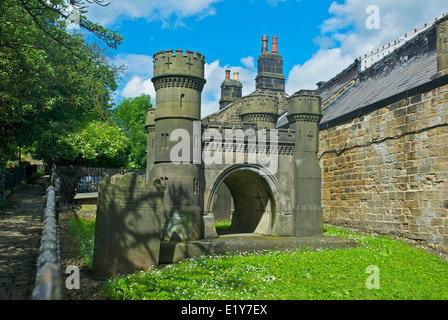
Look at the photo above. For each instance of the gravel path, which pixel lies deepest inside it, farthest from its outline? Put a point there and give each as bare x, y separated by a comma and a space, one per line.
21, 224
20, 234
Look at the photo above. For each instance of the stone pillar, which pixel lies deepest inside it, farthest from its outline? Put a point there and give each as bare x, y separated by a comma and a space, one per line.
179, 80
442, 46
260, 109
304, 114
150, 145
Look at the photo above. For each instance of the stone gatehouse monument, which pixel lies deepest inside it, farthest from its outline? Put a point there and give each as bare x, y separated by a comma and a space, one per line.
200, 167
378, 130
273, 176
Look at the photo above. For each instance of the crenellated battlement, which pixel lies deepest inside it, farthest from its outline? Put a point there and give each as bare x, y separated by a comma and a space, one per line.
150, 121
260, 109
178, 63
305, 105
260, 98
260, 104
306, 93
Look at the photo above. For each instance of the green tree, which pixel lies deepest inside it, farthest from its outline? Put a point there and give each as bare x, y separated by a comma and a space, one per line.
130, 116
40, 10
100, 144
51, 82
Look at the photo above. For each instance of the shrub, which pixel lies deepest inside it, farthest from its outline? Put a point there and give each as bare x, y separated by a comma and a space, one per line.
101, 145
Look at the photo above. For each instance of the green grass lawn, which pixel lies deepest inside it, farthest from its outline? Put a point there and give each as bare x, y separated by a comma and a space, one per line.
84, 232
403, 272
223, 224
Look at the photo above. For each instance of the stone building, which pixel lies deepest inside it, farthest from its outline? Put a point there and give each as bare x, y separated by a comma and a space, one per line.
270, 81
382, 142
383, 136
254, 166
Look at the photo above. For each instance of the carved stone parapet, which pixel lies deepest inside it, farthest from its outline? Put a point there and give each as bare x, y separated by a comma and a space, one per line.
180, 81
259, 117
304, 118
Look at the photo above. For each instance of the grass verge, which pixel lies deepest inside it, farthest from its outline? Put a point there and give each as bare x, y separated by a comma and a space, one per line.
83, 230
399, 271
223, 224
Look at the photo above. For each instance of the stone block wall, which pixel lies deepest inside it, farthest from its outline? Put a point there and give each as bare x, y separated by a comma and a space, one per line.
387, 171
229, 116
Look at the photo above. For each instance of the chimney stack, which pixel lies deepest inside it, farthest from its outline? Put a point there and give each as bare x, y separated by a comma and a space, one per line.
264, 43
231, 90
270, 68
274, 45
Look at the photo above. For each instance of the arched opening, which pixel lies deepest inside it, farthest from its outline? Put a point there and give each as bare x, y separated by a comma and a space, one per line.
249, 197
223, 205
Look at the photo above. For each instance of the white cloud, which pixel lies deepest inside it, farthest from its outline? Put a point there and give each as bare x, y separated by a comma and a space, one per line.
248, 62
345, 37
215, 74
396, 18
140, 72
274, 2
324, 65
137, 86
138, 76
137, 64
161, 10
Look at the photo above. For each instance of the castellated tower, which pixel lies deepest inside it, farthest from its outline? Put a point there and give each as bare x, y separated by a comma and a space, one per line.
304, 114
178, 81
261, 110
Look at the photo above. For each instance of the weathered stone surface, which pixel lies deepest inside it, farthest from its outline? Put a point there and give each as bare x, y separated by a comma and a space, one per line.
177, 251
387, 171
261, 110
262, 177
442, 46
270, 72
178, 80
209, 226
304, 113
128, 226
231, 90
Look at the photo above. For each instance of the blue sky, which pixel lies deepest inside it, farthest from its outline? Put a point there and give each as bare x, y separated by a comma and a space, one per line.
317, 39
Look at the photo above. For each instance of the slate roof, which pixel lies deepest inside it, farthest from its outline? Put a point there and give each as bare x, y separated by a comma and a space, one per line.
408, 67
353, 92
364, 93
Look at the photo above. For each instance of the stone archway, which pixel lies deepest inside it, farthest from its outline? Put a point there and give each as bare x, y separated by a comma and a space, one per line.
254, 198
